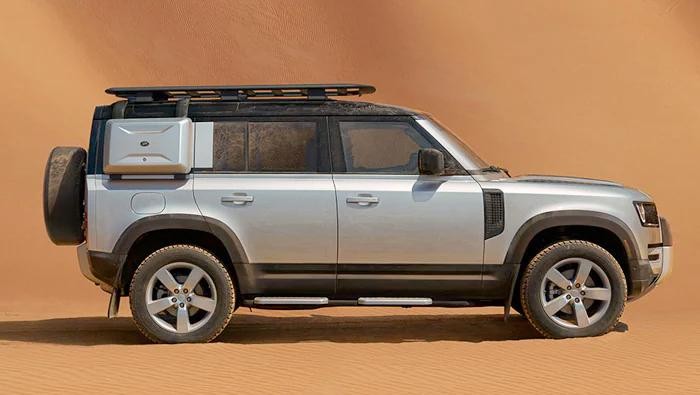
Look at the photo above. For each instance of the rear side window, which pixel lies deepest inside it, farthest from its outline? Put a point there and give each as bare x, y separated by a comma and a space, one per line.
229, 146
381, 147
285, 146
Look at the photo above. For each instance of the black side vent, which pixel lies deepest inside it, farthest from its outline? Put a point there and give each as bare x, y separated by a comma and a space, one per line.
494, 213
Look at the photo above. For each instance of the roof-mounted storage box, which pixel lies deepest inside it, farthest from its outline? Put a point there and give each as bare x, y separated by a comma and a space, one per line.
149, 146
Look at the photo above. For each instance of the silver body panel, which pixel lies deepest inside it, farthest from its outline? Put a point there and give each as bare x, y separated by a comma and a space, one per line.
203, 142
278, 218
149, 146
111, 209
416, 219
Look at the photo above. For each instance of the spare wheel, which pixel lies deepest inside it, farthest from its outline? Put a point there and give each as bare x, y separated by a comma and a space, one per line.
64, 195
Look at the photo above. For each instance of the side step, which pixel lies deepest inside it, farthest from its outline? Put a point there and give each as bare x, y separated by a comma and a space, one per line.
394, 301
284, 300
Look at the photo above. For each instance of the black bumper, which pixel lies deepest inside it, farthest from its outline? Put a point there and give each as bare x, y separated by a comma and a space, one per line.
641, 278
106, 267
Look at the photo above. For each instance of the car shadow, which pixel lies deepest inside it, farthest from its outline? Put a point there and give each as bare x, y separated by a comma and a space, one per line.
256, 329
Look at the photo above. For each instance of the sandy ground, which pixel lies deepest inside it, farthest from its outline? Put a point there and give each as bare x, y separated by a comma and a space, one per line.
353, 350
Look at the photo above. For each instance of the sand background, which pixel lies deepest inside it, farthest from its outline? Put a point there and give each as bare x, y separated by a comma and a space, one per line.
596, 89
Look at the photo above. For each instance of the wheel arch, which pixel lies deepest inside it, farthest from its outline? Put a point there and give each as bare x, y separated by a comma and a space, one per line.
544, 229
150, 233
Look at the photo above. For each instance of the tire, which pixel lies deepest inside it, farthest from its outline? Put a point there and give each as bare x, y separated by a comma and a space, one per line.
516, 306
589, 307
208, 305
64, 195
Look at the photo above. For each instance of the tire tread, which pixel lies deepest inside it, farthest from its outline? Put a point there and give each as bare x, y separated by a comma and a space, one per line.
535, 262
199, 250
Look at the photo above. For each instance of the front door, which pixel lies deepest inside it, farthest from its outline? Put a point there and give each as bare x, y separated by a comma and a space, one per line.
401, 233
270, 183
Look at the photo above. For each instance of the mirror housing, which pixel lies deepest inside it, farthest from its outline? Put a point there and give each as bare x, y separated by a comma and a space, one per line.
431, 162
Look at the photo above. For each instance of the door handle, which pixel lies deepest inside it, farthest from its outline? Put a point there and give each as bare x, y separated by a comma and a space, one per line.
237, 199
363, 200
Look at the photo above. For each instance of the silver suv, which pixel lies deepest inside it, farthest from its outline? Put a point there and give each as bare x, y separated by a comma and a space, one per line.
194, 201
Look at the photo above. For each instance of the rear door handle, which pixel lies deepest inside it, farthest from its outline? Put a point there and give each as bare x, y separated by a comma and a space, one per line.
362, 200
237, 199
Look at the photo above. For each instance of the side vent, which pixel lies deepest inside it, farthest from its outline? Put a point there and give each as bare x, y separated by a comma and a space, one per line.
494, 213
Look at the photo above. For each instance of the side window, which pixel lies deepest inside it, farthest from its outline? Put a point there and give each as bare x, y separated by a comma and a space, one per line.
282, 146
290, 146
229, 146
381, 147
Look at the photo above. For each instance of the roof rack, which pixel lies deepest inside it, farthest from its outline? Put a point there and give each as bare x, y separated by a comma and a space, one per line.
239, 92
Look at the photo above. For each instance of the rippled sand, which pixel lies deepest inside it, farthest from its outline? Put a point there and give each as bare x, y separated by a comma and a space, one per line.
353, 350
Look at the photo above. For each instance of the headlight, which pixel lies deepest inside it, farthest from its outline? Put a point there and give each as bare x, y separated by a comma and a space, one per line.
647, 213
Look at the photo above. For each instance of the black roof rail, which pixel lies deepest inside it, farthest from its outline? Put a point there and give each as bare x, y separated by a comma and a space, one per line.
240, 92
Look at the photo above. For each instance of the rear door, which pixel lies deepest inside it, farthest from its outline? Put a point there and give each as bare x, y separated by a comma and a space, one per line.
269, 182
401, 233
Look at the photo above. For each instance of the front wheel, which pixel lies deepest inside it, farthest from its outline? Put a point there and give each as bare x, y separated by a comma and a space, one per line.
181, 294
573, 288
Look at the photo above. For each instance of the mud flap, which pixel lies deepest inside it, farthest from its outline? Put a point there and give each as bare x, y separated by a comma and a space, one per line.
509, 301
113, 309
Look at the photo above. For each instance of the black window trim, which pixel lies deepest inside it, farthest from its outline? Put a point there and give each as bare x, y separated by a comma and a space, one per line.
323, 140
338, 155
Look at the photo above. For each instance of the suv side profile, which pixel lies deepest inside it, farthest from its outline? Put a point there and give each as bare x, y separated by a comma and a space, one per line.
194, 201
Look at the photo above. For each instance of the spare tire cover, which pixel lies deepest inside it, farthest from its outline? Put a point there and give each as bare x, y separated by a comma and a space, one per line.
64, 195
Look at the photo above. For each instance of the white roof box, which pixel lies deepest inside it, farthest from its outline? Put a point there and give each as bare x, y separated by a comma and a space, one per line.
149, 146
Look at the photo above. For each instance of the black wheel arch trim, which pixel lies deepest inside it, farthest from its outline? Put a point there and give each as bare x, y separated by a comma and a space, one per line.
552, 219
175, 222
527, 232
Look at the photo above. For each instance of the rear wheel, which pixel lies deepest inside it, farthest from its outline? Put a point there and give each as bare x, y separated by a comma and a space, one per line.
573, 289
181, 294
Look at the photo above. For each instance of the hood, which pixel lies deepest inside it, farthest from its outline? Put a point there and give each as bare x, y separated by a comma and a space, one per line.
563, 180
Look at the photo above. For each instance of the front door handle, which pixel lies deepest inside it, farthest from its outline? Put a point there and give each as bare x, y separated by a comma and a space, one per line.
237, 199
363, 200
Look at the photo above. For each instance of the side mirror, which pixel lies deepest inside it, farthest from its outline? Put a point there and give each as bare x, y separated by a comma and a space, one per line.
431, 162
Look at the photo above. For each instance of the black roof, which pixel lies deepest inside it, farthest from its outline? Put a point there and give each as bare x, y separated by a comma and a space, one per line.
208, 102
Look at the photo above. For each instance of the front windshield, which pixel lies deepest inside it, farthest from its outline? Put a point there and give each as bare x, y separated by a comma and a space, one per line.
471, 161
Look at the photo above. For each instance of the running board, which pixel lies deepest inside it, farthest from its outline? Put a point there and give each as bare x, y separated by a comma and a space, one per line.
394, 301
296, 301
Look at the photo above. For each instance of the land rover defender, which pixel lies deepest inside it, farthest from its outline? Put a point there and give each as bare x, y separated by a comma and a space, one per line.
195, 200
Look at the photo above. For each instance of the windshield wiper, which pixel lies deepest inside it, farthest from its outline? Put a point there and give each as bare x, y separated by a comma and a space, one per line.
490, 169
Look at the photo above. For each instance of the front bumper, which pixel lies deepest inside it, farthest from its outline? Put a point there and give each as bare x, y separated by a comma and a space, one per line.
662, 266
649, 273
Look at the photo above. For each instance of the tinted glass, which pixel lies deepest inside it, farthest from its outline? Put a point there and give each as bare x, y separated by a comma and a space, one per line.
266, 147
229, 146
282, 146
381, 147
